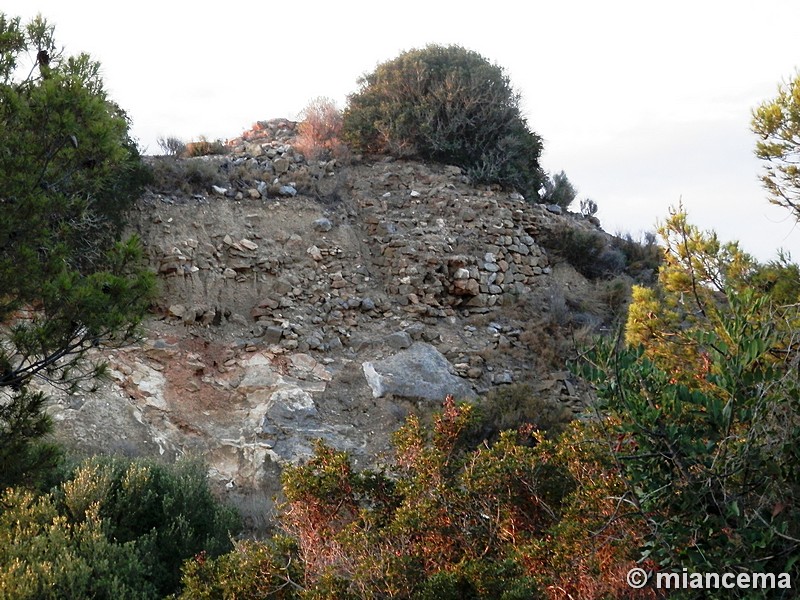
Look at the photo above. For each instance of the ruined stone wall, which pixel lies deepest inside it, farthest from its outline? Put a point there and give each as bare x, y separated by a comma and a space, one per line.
402, 237
442, 245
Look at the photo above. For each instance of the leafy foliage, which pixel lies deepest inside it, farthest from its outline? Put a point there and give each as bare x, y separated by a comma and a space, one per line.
450, 105
586, 250
251, 570
46, 555
777, 124
168, 512
698, 273
559, 190
780, 279
587, 553
114, 529
449, 520
596, 255
70, 171
704, 401
24, 457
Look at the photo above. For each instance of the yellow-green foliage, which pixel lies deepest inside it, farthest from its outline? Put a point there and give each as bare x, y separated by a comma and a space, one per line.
697, 273
114, 529
704, 404
45, 554
777, 124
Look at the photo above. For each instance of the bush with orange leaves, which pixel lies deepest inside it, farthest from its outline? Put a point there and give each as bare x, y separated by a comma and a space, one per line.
319, 131
521, 518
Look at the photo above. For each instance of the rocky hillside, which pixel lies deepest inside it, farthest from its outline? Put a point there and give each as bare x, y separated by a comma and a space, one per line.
303, 301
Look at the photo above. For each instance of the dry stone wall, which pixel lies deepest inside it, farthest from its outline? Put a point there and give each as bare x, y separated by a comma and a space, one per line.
441, 245
407, 238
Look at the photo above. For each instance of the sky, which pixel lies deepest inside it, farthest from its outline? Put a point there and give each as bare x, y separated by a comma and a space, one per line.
644, 105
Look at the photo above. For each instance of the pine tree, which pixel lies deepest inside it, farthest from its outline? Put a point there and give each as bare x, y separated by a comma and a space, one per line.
68, 282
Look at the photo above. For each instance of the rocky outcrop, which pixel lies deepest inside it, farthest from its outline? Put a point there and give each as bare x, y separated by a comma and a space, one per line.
245, 410
420, 372
378, 289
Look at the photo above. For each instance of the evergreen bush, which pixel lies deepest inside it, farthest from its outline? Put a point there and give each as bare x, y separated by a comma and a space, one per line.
450, 105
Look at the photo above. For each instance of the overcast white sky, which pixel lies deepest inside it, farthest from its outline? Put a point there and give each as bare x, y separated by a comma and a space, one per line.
641, 103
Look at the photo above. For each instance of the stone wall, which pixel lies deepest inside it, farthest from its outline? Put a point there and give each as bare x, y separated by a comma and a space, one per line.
405, 237
440, 245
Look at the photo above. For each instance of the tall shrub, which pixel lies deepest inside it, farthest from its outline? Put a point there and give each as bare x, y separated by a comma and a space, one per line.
447, 104
703, 406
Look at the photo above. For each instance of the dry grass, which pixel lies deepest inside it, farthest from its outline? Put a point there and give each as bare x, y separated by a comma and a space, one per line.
189, 176
203, 147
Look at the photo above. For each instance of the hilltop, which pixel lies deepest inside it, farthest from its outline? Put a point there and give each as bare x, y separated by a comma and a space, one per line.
303, 300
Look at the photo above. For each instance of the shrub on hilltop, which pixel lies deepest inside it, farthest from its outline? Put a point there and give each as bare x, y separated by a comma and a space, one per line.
319, 131
451, 105
559, 190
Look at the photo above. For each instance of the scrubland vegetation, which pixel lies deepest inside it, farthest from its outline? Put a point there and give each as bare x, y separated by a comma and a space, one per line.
689, 459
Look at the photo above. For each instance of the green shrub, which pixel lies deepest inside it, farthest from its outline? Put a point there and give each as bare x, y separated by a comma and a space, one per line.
779, 278
514, 406
703, 410
25, 457
47, 555
114, 529
69, 282
251, 570
596, 255
166, 512
559, 190
586, 250
171, 146
615, 294
480, 580
713, 464
450, 105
